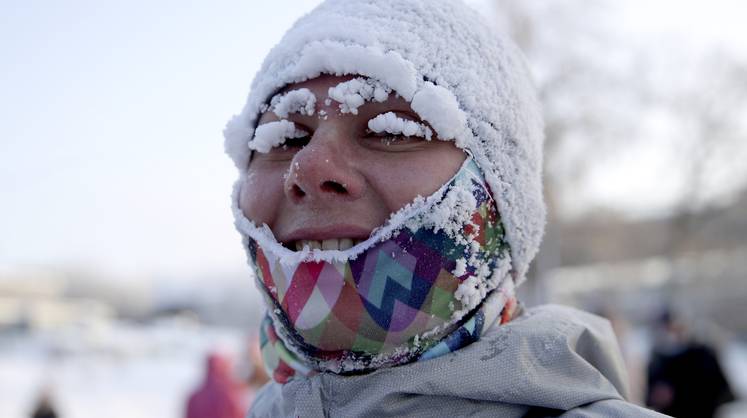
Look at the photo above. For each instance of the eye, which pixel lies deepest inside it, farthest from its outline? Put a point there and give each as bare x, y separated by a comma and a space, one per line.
297, 142
392, 132
388, 139
290, 146
279, 139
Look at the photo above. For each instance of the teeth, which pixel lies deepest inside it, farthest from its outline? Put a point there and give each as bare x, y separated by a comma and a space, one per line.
327, 244
330, 244
346, 243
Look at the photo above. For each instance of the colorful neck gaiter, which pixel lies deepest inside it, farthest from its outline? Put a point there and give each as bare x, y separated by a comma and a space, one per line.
283, 365
415, 283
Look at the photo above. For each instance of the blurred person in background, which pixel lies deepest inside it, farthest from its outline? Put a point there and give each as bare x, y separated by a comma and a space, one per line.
251, 370
258, 376
685, 378
390, 201
219, 396
44, 406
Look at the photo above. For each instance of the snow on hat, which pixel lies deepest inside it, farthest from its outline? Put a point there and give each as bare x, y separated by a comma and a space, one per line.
469, 83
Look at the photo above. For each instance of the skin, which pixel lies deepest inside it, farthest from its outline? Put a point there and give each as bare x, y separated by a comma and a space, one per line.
342, 181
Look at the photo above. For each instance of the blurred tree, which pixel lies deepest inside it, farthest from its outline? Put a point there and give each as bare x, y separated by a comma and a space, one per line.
568, 47
602, 92
708, 104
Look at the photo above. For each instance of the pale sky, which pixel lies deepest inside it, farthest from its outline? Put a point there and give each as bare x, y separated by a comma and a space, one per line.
639, 179
111, 115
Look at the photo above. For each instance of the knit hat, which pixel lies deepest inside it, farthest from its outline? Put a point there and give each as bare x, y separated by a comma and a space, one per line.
469, 83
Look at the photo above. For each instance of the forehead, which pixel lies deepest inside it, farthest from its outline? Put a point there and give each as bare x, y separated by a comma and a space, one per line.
319, 84
320, 88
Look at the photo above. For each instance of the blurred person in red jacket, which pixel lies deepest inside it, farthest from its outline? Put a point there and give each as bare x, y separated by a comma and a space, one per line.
218, 396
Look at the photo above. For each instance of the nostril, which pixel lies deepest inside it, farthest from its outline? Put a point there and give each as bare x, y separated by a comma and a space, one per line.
334, 187
297, 191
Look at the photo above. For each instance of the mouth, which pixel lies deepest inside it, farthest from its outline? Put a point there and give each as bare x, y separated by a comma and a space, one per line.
327, 244
331, 237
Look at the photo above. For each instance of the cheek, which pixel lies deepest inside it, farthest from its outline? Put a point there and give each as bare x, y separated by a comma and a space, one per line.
398, 182
260, 196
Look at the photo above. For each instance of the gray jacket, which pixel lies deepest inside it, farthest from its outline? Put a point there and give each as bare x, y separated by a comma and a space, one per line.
550, 361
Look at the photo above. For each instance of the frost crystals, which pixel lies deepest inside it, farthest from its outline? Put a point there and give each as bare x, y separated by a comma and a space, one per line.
270, 135
300, 101
354, 93
391, 123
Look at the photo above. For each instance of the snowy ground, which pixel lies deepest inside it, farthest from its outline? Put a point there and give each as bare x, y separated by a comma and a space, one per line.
121, 370
118, 371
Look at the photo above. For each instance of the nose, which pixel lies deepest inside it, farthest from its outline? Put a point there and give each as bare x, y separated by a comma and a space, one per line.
323, 171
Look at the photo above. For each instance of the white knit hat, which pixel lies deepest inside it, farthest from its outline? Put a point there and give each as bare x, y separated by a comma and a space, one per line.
470, 84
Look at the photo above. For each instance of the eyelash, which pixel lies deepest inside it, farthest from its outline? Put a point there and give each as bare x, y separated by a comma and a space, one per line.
383, 138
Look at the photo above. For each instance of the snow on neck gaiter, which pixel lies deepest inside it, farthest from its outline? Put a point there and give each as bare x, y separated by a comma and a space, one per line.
392, 297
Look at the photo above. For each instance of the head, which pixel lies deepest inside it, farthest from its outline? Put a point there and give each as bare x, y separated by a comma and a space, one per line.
348, 135
217, 367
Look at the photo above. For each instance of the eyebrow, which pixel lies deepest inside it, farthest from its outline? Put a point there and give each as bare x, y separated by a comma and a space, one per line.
301, 101
391, 123
271, 134
354, 93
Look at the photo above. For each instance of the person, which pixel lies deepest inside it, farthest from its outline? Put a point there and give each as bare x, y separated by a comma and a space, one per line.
218, 396
389, 201
252, 374
44, 407
685, 378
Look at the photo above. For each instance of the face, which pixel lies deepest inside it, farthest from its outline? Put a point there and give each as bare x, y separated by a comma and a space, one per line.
332, 187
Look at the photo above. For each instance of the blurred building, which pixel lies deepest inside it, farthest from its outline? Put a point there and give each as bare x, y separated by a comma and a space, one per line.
37, 299
639, 266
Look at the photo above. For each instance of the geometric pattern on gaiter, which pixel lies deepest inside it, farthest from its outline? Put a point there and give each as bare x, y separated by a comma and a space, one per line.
384, 297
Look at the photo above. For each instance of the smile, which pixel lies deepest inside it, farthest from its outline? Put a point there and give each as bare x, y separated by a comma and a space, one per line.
327, 244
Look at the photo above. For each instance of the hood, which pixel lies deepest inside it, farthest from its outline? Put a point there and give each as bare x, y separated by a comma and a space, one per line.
467, 81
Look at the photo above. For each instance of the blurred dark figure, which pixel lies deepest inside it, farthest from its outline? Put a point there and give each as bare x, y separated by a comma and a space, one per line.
44, 407
219, 396
685, 378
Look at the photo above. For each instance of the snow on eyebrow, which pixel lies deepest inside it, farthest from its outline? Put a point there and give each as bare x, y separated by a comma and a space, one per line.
391, 123
353, 93
300, 101
269, 135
